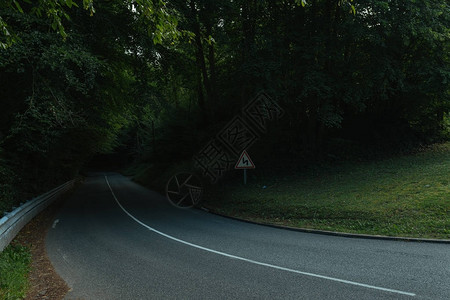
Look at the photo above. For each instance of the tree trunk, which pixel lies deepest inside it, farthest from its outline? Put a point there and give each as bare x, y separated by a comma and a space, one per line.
200, 57
248, 29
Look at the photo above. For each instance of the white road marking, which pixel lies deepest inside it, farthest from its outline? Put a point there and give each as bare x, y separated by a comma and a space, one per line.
54, 223
254, 261
64, 257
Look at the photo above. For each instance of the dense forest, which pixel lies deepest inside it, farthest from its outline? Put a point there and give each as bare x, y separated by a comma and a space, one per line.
154, 81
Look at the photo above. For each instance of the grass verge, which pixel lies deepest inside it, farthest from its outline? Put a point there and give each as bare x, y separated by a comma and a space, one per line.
400, 196
15, 264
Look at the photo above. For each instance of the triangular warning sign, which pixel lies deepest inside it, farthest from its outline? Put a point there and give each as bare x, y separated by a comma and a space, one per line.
196, 194
244, 162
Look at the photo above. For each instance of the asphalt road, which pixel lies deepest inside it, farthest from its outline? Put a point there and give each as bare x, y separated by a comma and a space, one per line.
114, 239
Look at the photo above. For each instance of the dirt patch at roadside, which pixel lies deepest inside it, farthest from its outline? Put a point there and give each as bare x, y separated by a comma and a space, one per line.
44, 282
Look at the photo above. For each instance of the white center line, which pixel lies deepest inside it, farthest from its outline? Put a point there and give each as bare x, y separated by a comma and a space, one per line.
254, 261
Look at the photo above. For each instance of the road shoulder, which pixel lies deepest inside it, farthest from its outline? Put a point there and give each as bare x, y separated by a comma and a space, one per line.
44, 282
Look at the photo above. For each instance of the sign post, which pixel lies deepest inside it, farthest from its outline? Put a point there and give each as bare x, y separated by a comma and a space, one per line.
244, 163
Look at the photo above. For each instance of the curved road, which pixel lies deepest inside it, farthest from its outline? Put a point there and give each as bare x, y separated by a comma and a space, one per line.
114, 239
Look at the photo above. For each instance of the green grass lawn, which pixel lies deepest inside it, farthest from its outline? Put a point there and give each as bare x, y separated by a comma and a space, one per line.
14, 267
400, 196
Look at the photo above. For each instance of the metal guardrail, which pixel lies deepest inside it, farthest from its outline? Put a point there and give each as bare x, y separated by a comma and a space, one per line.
13, 222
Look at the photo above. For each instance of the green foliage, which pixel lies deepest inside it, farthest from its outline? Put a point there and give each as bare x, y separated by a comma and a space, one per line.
61, 102
160, 20
6, 37
54, 11
54, 79
14, 268
7, 188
